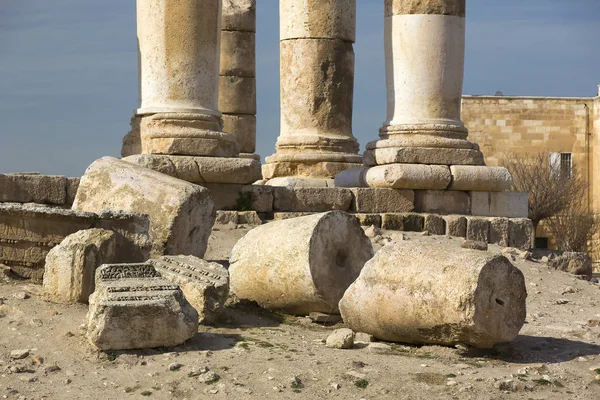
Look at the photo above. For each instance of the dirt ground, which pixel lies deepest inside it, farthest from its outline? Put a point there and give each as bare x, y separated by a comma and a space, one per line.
256, 354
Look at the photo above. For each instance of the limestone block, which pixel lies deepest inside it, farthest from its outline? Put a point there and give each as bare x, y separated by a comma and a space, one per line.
181, 214
243, 128
456, 225
72, 185
307, 168
442, 202
422, 155
33, 188
241, 197
392, 222
478, 229
500, 204
239, 15
520, 234
71, 266
226, 217
414, 222
340, 339
373, 200
237, 95
353, 177
134, 308
434, 224
311, 199
321, 254
436, 7
204, 284
499, 231
573, 263
480, 178
328, 19
249, 218
28, 232
300, 181
409, 222
369, 219
238, 51
409, 176
280, 216
413, 292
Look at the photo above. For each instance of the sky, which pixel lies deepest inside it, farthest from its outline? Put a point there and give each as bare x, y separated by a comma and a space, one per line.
68, 70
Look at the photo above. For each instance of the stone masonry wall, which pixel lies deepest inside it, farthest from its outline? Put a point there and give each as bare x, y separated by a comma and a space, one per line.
35, 188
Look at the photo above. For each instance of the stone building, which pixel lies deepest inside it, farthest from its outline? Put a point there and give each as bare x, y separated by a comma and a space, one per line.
566, 127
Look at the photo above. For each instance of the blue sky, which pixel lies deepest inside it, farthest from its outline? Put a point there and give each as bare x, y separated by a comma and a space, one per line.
68, 70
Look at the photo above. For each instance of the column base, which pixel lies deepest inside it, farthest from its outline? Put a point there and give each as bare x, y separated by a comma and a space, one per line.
313, 165
201, 170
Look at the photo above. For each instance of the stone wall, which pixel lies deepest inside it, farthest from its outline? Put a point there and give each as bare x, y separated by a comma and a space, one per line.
35, 188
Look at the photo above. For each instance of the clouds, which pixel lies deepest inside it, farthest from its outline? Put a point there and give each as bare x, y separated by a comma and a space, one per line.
69, 70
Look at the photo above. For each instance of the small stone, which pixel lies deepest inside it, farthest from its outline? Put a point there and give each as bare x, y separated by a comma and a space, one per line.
341, 339
425, 233
37, 322
379, 348
19, 354
372, 232
362, 337
208, 378
37, 360
562, 301
451, 383
358, 364
568, 290
582, 359
21, 296
322, 318
526, 255
544, 259
198, 371
474, 245
51, 368
296, 383
336, 386
67, 381
175, 366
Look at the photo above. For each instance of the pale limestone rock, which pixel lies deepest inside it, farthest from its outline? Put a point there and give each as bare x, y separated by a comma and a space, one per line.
473, 245
376, 154
238, 54
573, 263
442, 202
435, 7
134, 308
373, 200
352, 178
499, 231
237, 95
520, 234
298, 181
329, 19
311, 199
361, 337
434, 224
478, 229
456, 225
416, 293
239, 15
480, 178
241, 197
368, 219
204, 284
409, 176
33, 188
321, 254
181, 214
243, 128
500, 204
71, 266
341, 339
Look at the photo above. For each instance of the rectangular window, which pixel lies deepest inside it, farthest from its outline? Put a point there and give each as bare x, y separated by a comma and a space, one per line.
561, 165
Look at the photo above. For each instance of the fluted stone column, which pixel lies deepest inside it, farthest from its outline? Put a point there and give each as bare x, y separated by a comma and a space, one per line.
423, 135
178, 128
317, 85
237, 83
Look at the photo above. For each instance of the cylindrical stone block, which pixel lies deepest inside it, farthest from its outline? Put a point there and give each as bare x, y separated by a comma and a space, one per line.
300, 265
239, 15
243, 128
417, 293
318, 19
237, 95
238, 53
178, 55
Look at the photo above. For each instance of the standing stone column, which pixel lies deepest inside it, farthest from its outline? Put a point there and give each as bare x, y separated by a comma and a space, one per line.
423, 142
237, 83
317, 85
178, 128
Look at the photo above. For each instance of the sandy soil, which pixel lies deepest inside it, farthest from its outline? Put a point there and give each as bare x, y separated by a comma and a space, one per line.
257, 354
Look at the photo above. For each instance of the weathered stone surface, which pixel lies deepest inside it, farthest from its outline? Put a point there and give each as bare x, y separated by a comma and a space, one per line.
134, 308
480, 178
237, 95
28, 232
311, 199
436, 7
409, 176
416, 293
321, 254
327, 19
243, 128
473, 245
352, 178
392, 222
369, 219
204, 284
442, 202
181, 214
340, 339
456, 225
422, 155
520, 234
478, 229
403, 222
238, 51
239, 15
201, 170
33, 188
413, 222
242, 197
72, 186
280, 216
300, 181
434, 224
310, 167
71, 266
238, 217
573, 263
371, 200
499, 231
500, 204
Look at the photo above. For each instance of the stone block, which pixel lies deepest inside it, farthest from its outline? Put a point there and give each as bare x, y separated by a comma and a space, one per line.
71, 266
300, 181
321, 254
520, 234
134, 308
413, 222
480, 178
352, 178
422, 155
435, 224
371, 200
478, 229
249, 218
392, 222
33, 188
238, 51
226, 217
369, 219
257, 198
499, 231
181, 214
442, 202
204, 284
239, 15
237, 95
327, 19
243, 128
456, 225
500, 204
72, 186
280, 216
311, 199
408, 176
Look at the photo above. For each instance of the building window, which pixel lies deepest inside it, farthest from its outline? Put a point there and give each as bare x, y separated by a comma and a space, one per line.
561, 165
541, 243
